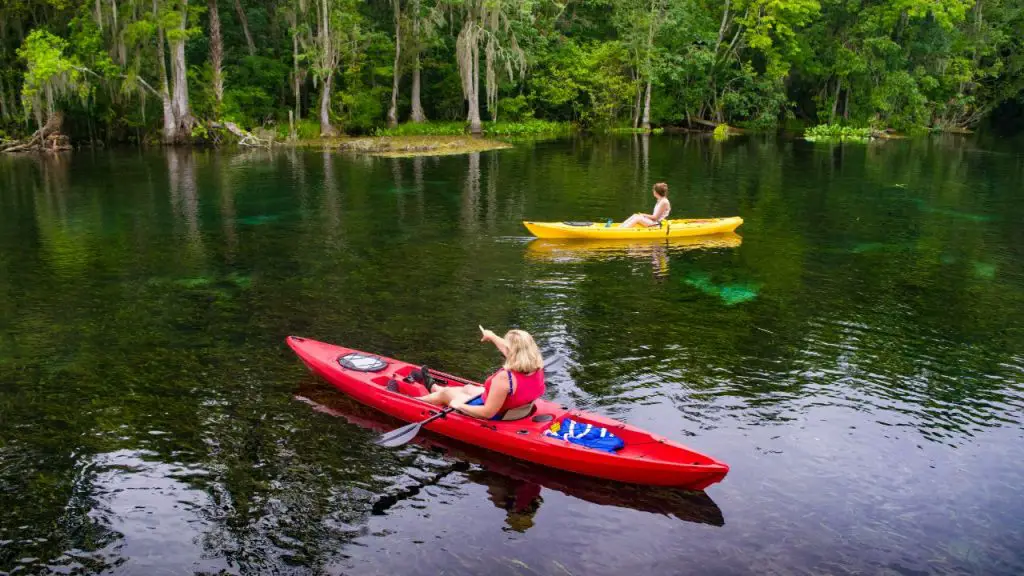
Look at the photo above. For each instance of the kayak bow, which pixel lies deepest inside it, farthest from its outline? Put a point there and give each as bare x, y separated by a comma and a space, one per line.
646, 459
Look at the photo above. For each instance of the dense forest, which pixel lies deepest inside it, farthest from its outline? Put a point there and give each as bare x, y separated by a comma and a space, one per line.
146, 70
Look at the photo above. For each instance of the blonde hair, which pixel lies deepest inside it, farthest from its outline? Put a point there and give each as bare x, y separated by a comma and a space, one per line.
523, 354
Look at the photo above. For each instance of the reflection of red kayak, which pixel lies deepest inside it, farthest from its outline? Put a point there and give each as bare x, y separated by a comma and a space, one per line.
689, 506
646, 458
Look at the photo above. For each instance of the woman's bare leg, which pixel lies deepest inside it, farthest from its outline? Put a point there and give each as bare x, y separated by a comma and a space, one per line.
631, 221
445, 394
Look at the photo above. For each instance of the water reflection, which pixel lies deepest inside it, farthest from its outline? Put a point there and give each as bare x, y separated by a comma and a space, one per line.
184, 194
470, 214
512, 485
657, 251
856, 358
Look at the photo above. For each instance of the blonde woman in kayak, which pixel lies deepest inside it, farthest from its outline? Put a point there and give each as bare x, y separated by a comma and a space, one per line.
661, 209
516, 385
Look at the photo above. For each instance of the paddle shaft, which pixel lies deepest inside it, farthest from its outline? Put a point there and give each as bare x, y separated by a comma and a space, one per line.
403, 435
444, 412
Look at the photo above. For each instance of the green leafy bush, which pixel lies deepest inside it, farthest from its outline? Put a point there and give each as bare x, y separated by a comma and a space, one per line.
835, 132
515, 109
631, 130
524, 128
424, 129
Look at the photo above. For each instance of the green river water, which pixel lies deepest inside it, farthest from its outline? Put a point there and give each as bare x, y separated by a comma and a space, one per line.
855, 354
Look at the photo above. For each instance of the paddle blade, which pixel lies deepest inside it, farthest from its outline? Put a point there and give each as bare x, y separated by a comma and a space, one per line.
399, 436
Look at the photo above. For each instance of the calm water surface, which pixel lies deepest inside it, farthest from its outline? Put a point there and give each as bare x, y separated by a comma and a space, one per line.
856, 355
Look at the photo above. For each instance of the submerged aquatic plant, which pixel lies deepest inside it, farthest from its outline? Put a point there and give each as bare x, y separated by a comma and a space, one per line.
984, 270
731, 294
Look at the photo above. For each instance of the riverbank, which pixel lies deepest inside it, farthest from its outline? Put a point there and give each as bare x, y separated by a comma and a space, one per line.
404, 146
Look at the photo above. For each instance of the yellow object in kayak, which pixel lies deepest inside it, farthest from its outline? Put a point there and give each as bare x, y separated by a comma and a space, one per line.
667, 229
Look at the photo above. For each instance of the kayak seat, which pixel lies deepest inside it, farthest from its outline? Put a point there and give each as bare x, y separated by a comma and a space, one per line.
520, 412
567, 223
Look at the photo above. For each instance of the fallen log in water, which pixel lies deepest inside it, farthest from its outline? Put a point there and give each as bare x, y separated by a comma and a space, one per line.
244, 138
47, 139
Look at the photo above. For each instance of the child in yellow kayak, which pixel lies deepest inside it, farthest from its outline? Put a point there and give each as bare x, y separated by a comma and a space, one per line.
661, 210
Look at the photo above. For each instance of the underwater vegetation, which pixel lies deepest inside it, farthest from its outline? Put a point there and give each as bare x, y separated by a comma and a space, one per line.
731, 294
257, 220
984, 270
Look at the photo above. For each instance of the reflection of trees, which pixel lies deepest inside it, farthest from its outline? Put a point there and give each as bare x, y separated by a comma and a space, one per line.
471, 195
181, 175
227, 203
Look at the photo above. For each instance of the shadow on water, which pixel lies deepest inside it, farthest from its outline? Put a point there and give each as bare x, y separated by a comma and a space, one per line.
512, 485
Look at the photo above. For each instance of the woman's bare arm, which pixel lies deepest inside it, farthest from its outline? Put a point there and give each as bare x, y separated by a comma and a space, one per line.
498, 341
495, 399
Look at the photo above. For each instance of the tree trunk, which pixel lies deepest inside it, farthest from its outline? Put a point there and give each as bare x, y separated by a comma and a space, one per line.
46, 138
245, 28
326, 130
646, 124
835, 100
170, 126
216, 54
4, 114
475, 127
846, 104
329, 59
651, 29
418, 115
179, 78
396, 71
417, 108
636, 105
296, 72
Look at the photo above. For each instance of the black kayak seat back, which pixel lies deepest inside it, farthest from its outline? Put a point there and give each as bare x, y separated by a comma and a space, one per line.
578, 223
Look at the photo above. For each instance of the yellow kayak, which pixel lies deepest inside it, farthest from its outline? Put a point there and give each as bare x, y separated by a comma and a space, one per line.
667, 229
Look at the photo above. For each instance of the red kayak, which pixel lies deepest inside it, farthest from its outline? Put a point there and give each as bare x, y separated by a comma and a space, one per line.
646, 458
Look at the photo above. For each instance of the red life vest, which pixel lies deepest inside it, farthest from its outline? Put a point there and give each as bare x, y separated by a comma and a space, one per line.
523, 388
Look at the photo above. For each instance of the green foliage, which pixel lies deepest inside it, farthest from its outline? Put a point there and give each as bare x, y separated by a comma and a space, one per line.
362, 109
50, 74
516, 108
524, 128
835, 132
721, 132
199, 132
631, 130
910, 65
589, 84
304, 130
424, 129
